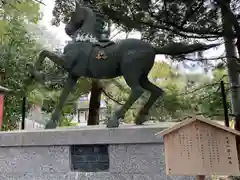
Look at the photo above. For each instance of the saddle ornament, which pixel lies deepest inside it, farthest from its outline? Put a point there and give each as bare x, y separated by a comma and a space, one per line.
101, 55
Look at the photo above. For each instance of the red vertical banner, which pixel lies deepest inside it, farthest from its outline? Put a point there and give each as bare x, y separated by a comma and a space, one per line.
1, 109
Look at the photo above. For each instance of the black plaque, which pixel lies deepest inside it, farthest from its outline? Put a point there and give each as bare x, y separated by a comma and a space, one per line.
89, 158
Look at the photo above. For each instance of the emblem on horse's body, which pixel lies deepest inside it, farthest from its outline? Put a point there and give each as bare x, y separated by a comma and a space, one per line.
101, 55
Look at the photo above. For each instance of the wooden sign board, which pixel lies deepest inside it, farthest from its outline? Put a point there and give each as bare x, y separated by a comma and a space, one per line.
200, 147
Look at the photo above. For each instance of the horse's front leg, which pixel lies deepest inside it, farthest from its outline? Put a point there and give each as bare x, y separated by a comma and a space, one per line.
55, 57
34, 70
70, 83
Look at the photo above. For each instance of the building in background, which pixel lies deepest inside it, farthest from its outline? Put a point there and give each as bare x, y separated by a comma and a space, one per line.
32, 124
36, 118
81, 116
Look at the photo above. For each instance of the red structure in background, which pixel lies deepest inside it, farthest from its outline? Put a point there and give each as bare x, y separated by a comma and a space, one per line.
3, 90
1, 109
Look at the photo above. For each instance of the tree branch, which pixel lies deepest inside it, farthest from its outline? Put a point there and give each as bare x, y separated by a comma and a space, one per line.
176, 28
202, 87
205, 59
117, 33
175, 49
111, 97
205, 114
190, 12
137, 23
212, 59
40, 2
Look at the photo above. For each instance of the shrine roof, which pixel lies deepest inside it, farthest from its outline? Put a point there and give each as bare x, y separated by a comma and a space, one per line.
194, 119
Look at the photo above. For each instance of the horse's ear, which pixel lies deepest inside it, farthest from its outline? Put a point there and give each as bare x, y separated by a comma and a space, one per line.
77, 5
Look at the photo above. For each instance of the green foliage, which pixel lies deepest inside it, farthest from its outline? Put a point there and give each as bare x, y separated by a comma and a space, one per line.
174, 103
210, 98
65, 122
184, 94
17, 49
51, 97
159, 21
166, 21
172, 22
234, 178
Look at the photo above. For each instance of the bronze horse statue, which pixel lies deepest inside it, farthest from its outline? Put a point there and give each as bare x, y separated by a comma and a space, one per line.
88, 56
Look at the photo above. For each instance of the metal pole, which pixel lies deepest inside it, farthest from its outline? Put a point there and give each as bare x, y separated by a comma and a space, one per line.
225, 108
24, 100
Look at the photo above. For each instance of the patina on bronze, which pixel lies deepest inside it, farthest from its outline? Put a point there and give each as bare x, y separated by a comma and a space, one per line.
130, 58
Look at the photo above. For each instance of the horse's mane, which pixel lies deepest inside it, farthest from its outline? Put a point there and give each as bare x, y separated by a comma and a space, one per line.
94, 18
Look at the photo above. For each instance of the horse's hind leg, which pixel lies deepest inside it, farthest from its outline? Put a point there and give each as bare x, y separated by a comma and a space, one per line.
70, 83
132, 79
155, 91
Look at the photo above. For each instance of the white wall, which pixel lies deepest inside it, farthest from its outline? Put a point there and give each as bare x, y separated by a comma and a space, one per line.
33, 118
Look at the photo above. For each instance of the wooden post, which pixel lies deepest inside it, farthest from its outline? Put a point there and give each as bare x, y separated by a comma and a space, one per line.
24, 100
200, 177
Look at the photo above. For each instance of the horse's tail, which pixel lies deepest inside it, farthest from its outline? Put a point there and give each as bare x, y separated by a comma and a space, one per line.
181, 48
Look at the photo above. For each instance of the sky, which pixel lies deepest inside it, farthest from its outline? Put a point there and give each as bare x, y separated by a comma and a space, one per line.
46, 21
62, 37
59, 31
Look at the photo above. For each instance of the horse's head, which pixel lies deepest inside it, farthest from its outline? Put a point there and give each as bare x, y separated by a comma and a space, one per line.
83, 18
75, 22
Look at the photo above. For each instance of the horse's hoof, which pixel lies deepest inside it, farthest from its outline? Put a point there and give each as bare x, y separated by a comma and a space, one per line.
113, 123
51, 125
141, 119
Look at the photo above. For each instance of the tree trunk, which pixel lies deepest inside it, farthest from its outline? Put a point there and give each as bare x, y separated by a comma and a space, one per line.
228, 13
95, 101
96, 90
232, 64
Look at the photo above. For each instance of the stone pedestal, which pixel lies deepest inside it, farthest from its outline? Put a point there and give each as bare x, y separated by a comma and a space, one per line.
87, 153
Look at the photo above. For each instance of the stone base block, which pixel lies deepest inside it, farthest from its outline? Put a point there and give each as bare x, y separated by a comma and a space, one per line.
131, 153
